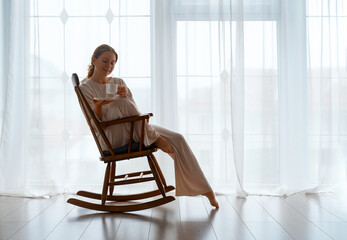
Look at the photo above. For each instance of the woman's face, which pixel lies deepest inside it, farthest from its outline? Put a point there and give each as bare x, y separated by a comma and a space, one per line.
104, 64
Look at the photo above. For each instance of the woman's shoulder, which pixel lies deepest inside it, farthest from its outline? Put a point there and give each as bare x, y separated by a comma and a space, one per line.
86, 84
118, 80
84, 81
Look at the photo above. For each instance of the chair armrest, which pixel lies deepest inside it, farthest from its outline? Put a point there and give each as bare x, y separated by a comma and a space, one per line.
105, 124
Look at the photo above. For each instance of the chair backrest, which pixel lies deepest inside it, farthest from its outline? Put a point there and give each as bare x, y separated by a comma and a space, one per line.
92, 120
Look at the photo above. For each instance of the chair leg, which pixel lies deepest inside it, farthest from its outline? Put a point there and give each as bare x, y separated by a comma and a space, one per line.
112, 177
105, 186
156, 175
159, 171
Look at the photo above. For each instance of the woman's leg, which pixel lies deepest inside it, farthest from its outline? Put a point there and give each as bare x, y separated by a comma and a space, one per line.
164, 145
212, 198
190, 180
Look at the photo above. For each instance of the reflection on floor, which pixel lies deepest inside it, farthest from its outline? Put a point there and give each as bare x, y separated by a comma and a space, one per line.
301, 216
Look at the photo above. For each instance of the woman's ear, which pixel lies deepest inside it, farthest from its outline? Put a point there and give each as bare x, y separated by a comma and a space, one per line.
93, 60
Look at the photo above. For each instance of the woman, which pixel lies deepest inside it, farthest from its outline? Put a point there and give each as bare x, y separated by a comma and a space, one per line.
190, 180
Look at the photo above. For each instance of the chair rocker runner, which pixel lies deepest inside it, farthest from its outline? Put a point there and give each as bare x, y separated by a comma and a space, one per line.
109, 201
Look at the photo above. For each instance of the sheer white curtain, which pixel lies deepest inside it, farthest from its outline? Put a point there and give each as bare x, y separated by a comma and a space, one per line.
241, 69
327, 79
14, 96
246, 100
256, 87
46, 146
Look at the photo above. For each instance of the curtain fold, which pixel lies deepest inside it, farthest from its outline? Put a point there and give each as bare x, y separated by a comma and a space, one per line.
238, 97
15, 125
293, 98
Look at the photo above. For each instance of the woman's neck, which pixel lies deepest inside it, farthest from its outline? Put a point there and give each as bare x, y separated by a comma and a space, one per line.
99, 79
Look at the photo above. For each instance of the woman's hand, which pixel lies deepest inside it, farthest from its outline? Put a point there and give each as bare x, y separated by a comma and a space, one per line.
98, 106
122, 90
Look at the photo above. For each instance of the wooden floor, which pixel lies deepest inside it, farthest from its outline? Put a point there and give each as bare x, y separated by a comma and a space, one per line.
314, 216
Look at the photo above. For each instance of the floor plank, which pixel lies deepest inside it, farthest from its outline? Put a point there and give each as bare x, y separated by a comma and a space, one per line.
73, 225
310, 209
259, 222
68, 231
166, 223
226, 222
326, 210
42, 225
195, 221
7, 229
292, 221
29, 210
102, 226
135, 225
332, 205
9, 205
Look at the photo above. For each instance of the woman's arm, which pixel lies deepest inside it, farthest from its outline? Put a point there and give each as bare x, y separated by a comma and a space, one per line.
127, 93
122, 90
90, 94
98, 107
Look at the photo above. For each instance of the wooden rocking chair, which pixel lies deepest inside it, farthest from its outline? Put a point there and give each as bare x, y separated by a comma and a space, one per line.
120, 203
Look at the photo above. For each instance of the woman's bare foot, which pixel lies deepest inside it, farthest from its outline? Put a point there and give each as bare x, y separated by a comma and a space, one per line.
164, 145
212, 198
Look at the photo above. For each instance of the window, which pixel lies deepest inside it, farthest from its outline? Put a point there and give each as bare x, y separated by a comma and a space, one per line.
207, 62
64, 35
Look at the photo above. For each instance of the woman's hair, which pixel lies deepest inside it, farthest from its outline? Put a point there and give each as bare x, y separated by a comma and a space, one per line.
97, 52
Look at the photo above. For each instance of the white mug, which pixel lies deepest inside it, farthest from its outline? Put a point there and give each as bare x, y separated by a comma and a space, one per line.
111, 89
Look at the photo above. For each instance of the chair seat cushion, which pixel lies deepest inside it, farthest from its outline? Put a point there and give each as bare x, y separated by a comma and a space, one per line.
124, 149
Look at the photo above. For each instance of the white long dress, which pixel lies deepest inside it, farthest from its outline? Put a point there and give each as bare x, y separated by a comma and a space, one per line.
190, 180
